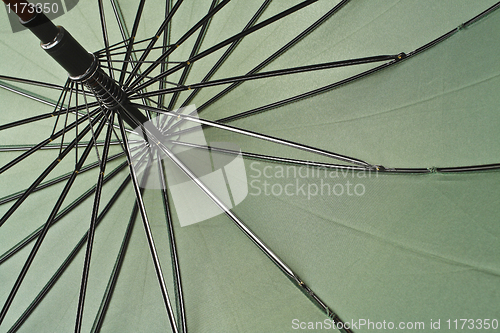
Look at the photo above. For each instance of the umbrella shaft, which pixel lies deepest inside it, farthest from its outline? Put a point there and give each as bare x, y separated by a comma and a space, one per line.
81, 65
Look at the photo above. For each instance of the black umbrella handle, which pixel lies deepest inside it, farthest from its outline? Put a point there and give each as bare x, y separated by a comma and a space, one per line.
38, 23
56, 41
81, 65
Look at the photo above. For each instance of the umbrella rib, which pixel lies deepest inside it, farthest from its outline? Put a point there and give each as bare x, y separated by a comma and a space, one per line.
62, 268
133, 52
56, 180
247, 231
153, 40
171, 49
101, 53
123, 29
269, 157
161, 81
112, 47
257, 136
194, 51
220, 45
60, 104
27, 147
42, 116
110, 287
27, 95
91, 233
269, 74
132, 37
469, 168
76, 127
104, 29
166, 22
60, 215
179, 295
166, 44
228, 52
27, 120
92, 127
482, 14
280, 52
32, 82
66, 118
44, 174
186, 71
400, 57
40, 145
144, 62
307, 94
47, 224
147, 229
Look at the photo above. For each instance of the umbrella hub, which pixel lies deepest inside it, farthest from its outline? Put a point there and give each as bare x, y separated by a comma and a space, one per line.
83, 67
106, 90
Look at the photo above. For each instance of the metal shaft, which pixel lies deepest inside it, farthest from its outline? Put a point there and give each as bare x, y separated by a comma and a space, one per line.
81, 65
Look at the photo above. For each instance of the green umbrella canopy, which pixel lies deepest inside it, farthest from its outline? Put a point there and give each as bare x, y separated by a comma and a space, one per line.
353, 142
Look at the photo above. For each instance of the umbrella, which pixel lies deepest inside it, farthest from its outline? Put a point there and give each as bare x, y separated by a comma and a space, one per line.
249, 166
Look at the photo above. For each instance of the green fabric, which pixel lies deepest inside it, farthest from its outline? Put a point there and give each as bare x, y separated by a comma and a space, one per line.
374, 246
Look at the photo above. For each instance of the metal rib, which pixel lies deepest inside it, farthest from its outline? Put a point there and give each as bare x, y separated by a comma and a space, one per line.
55, 181
152, 43
65, 211
280, 52
265, 75
227, 53
149, 235
179, 295
24, 94
257, 136
270, 158
224, 43
69, 259
105, 35
33, 82
194, 51
44, 174
66, 117
94, 137
44, 231
108, 293
91, 232
166, 42
181, 40
248, 232
132, 37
